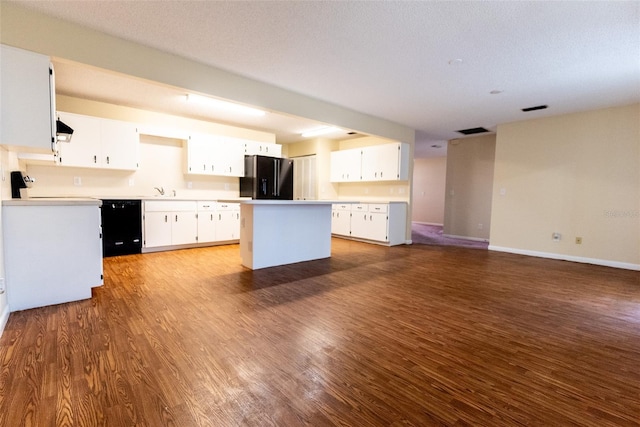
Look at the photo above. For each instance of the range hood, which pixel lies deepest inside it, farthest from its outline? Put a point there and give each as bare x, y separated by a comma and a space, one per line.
63, 131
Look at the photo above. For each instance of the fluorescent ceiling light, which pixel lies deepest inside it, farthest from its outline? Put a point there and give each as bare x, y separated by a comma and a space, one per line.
224, 105
320, 131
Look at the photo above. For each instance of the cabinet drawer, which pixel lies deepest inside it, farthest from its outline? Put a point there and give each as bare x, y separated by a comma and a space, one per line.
341, 207
228, 206
206, 206
360, 207
169, 206
378, 207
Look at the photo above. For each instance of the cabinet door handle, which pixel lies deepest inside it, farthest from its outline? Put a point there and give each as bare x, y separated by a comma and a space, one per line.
176, 218
95, 159
219, 217
166, 218
370, 217
237, 216
211, 217
204, 168
107, 159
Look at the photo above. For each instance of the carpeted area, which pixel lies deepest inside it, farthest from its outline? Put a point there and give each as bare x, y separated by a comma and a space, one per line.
425, 234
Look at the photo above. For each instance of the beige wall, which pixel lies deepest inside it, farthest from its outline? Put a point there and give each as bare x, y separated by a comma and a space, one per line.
575, 174
429, 177
470, 163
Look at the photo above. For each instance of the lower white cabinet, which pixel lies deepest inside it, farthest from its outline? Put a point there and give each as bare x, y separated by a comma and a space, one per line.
228, 221
170, 223
207, 218
341, 219
52, 251
377, 222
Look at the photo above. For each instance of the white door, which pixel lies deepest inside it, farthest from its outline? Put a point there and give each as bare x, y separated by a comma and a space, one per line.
304, 178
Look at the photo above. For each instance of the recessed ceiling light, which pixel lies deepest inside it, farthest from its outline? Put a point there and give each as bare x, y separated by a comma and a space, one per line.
224, 105
496, 92
456, 61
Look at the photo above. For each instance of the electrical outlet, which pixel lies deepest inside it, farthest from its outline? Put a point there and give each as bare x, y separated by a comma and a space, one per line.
480, 226
77, 181
578, 240
556, 237
131, 182
189, 184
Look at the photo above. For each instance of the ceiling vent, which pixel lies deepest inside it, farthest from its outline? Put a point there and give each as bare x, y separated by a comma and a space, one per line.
472, 131
537, 107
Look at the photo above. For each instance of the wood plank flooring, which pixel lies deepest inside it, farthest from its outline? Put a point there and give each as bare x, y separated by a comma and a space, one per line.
374, 336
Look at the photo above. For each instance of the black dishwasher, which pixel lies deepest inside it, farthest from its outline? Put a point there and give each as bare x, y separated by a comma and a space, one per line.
121, 227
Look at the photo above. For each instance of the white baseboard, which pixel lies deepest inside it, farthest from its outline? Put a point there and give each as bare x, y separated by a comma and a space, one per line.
475, 239
4, 318
428, 223
563, 257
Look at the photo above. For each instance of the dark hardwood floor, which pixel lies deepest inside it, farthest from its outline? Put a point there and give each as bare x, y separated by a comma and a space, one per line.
374, 336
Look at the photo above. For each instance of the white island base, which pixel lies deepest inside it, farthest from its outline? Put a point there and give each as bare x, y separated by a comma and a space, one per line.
278, 232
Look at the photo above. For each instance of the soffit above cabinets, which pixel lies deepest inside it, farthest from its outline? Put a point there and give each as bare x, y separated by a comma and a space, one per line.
86, 82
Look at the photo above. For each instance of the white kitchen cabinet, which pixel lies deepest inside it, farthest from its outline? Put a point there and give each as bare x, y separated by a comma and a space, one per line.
99, 143
27, 100
385, 162
53, 250
341, 219
228, 221
170, 223
262, 149
383, 223
207, 218
214, 155
346, 165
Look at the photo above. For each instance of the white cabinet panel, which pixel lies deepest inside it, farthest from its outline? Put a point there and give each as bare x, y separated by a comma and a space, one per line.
214, 155
386, 162
377, 222
207, 222
262, 149
341, 219
169, 223
228, 223
99, 143
27, 100
346, 165
53, 253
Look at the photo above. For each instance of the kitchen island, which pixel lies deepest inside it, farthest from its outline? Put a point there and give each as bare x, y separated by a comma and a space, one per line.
52, 250
278, 232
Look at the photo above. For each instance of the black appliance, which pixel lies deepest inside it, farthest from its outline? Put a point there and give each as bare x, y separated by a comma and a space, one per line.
267, 178
121, 227
19, 181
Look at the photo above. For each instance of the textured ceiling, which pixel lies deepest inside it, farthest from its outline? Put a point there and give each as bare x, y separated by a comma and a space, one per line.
392, 59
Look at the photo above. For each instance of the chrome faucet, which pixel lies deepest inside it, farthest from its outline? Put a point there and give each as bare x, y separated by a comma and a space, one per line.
160, 190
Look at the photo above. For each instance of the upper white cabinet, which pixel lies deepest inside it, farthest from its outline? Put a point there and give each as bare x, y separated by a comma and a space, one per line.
386, 162
346, 165
27, 100
214, 155
262, 149
99, 143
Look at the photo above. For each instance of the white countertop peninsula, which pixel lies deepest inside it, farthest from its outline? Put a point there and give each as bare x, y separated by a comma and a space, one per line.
278, 232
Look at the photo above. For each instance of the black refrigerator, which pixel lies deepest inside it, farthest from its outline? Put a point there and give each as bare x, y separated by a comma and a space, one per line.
267, 178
